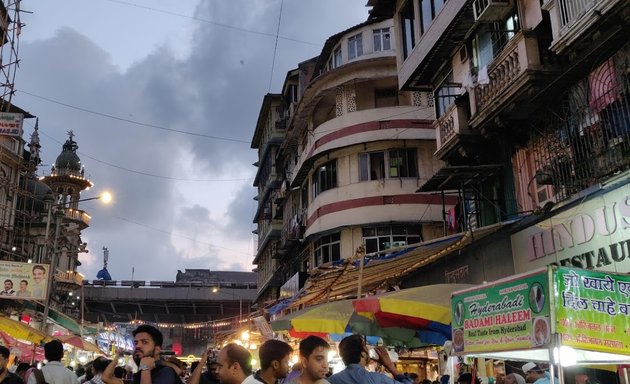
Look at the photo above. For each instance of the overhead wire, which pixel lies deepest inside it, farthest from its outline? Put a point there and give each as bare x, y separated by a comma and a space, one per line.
148, 125
222, 25
141, 172
275, 47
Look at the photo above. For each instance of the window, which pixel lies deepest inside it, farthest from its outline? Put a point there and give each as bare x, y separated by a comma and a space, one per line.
382, 41
429, 9
325, 178
355, 46
490, 40
407, 17
400, 162
336, 58
381, 238
328, 249
445, 94
403, 163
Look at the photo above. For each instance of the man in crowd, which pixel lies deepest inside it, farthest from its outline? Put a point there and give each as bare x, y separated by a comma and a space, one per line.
208, 377
234, 364
98, 367
313, 359
7, 377
274, 362
54, 372
355, 356
535, 374
151, 370
8, 288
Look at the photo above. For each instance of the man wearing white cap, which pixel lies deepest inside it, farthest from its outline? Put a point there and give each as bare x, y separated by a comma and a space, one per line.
535, 374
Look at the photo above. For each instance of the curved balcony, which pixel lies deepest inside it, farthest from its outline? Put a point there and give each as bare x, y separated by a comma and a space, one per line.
389, 200
370, 125
77, 216
327, 85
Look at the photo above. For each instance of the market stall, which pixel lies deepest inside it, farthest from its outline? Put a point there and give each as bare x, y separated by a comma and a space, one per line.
557, 315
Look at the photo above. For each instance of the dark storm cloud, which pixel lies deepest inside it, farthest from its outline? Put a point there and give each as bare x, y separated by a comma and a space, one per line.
241, 213
217, 90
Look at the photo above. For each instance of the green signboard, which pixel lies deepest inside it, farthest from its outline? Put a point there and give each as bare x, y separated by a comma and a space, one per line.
510, 314
593, 310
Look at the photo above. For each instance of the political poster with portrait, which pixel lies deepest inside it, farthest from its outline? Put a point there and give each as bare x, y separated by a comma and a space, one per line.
23, 280
593, 310
509, 314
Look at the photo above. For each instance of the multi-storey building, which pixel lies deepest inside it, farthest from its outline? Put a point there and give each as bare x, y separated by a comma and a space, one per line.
532, 118
268, 136
342, 152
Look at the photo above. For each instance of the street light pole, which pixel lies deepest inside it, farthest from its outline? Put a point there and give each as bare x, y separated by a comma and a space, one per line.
51, 270
59, 214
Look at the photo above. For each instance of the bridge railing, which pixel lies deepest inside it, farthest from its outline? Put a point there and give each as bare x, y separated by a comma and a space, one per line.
168, 284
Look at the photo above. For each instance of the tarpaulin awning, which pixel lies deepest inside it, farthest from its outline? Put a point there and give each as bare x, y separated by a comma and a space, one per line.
341, 281
458, 177
58, 317
23, 331
78, 342
24, 351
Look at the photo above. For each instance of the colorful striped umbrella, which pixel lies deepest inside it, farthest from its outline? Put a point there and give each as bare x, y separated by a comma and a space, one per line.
78, 342
427, 309
338, 319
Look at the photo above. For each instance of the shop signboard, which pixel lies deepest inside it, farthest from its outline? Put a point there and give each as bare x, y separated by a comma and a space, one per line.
593, 310
509, 314
23, 280
11, 124
594, 234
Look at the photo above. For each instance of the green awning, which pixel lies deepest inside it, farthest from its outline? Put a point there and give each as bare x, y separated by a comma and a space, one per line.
63, 320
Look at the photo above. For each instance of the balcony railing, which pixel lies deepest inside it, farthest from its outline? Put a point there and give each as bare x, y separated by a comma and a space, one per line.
453, 122
571, 20
572, 9
69, 277
520, 55
77, 215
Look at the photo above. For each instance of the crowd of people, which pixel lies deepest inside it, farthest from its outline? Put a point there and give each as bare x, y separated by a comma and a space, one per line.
232, 364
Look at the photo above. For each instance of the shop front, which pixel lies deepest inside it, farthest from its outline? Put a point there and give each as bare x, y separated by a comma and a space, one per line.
559, 317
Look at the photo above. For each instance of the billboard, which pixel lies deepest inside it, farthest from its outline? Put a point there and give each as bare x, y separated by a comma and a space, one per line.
23, 280
11, 124
509, 314
592, 310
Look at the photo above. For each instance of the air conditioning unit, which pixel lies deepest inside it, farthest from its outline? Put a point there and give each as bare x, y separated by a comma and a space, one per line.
492, 10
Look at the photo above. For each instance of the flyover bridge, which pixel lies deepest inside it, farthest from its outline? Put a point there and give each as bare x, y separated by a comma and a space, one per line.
168, 302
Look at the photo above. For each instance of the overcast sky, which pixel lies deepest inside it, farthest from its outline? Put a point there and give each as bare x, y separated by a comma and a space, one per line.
180, 200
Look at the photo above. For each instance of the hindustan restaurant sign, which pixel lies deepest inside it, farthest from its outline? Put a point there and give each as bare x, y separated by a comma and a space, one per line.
592, 235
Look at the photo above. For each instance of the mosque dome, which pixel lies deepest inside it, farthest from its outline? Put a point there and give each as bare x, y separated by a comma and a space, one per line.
39, 193
68, 158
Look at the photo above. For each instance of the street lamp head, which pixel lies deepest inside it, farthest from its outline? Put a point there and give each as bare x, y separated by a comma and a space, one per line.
215, 289
106, 197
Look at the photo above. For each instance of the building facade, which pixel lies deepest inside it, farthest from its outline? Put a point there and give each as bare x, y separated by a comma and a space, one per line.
351, 151
532, 119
